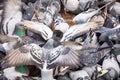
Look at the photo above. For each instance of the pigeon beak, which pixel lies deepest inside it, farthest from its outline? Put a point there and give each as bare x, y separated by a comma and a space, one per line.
102, 72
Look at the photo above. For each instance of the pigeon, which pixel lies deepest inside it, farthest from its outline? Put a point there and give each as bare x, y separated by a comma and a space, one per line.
69, 6
107, 34
84, 16
79, 75
114, 9
95, 71
112, 66
28, 12
91, 40
79, 29
61, 24
12, 74
24, 55
59, 57
60, 27
38, 28
51, 10
9, 43
116, 48
92, 55
111, 21
39, 9
85, 5
11, 16
26, 39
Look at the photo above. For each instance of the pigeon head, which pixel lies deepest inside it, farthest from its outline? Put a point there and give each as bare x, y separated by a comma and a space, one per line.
19, 30
80, 78
103, 37
112, 74
56, 5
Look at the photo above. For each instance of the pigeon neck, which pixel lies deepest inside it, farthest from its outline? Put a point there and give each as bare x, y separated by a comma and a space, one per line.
21, 69
49, 44
117, 52
20, 33
45, 65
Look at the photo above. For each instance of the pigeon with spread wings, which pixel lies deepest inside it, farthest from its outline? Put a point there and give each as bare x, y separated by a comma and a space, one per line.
32, 54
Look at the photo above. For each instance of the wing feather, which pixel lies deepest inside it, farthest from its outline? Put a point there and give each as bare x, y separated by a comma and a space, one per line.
67, 57
18, 57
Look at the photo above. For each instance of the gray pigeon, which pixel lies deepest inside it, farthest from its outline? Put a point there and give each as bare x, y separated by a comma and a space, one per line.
79, 75
12, 16
79, 29
51, 10
112, 66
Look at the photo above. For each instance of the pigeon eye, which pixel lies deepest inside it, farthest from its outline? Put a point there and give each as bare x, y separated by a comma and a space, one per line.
87, 78
28, 14
80, 78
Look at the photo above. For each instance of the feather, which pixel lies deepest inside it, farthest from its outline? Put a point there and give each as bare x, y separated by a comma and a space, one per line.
91, 56
64, 56
39, 28
21, 56
79, 29
12, 15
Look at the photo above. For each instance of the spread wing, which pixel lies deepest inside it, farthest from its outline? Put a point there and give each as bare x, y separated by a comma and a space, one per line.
20, 56
64, 56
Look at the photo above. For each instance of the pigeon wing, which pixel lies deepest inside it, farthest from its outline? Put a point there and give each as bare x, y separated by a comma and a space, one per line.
64, 56
20, 56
